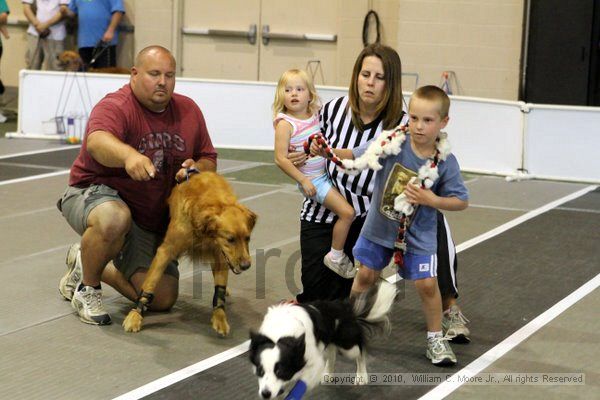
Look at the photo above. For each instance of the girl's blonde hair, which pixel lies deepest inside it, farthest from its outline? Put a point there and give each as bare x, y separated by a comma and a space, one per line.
278, 104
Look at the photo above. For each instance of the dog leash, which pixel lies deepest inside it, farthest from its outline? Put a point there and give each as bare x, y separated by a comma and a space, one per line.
324, 145
103, 46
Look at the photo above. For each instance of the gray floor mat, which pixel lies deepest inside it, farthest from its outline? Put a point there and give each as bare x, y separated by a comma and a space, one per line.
506, 282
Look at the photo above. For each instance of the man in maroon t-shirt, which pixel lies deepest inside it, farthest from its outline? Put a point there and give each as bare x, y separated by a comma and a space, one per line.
138, 141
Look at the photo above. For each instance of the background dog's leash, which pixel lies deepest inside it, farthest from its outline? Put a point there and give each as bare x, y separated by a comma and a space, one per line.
103, 46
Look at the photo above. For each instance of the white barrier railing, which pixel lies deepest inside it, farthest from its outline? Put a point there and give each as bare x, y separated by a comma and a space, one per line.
561, 142
488, 136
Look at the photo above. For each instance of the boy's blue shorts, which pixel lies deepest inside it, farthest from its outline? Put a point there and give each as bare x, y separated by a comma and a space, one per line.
323, 186
376, 257
418, 266
372, 255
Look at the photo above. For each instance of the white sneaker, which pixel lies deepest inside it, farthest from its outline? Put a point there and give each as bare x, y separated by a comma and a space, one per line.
71, 280
454, 325
439, 351
343, 267
88, 303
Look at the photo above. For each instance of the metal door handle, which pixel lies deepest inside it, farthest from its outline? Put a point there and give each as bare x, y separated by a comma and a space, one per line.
267, 36
249, 34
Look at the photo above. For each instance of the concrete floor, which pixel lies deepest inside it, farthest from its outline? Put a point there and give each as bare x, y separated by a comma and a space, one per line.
47, 353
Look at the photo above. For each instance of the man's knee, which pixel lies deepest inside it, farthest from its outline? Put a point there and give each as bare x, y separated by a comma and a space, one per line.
111, 219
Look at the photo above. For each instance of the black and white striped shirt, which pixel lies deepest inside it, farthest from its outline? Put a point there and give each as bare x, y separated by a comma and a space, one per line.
340, 132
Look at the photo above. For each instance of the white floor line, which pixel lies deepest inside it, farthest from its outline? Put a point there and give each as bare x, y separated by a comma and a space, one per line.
34, 177
498, 208
34, 166
523, 218
185, 373
583, 210
242, 167
257, 196
485, 360
28, 153
26, 213
472, 180
33, 255
234, 181
242, 348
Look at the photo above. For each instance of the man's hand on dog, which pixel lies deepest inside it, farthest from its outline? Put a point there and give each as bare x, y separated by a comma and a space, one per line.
182, 173
139, 167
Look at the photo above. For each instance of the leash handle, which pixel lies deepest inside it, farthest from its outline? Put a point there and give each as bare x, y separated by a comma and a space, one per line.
324, 145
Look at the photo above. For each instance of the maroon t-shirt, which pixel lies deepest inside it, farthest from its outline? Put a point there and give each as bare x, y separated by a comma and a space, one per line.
167, 138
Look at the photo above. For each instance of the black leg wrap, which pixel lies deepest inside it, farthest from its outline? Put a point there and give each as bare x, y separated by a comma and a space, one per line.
144, 301
219, 297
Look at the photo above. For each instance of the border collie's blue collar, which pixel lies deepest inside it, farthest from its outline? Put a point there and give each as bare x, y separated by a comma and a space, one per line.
297, 391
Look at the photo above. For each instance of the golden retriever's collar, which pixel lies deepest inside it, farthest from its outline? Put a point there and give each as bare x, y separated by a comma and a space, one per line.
189, 172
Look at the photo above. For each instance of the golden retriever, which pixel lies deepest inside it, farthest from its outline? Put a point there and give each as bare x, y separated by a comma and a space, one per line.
208, 223
70, 60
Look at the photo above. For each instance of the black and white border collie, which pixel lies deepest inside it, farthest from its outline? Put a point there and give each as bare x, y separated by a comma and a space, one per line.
299, 342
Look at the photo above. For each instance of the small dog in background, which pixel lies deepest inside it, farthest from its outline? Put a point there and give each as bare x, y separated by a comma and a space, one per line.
299, 342
70, 60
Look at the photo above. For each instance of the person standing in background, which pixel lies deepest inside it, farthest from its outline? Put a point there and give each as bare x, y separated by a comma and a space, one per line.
97, 34
46, 33
4, 11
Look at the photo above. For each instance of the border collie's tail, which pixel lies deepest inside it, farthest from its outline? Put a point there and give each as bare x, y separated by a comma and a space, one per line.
373, 306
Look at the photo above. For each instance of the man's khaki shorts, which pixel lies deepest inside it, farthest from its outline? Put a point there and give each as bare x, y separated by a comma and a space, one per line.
140, 244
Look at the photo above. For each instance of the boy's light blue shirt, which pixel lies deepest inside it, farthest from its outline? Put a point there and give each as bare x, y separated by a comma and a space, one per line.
94, 18
381, 225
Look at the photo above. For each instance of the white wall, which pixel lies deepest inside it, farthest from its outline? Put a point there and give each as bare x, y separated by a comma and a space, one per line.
488, 136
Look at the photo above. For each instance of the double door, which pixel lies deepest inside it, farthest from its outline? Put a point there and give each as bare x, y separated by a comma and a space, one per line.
259, 39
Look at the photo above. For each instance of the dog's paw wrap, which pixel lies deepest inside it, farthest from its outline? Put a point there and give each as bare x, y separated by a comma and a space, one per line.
144, 302
219, 297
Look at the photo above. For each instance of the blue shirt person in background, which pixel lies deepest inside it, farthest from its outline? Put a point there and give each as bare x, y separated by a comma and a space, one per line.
97, 34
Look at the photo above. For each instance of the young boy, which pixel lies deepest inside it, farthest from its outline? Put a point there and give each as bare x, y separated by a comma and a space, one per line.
428, 115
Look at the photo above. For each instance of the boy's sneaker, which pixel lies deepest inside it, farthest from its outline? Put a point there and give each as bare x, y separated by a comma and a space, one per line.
71, 280
88, 303
439, 351
343, 267
454, 325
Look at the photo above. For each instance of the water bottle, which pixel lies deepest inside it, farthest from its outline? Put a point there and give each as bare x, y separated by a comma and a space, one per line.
71, 136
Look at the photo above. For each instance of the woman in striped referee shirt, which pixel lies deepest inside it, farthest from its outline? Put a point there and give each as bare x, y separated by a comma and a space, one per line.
373, 103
